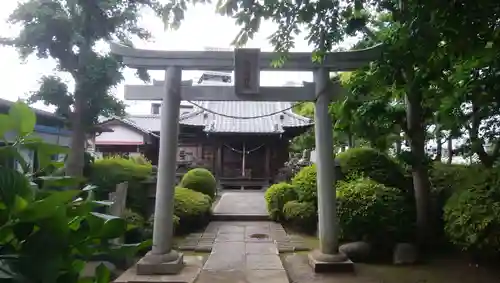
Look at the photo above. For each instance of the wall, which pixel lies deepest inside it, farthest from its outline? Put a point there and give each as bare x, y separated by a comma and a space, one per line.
121, 135
51, 135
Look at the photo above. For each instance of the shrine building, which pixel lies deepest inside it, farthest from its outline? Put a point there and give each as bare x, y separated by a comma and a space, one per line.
244, 143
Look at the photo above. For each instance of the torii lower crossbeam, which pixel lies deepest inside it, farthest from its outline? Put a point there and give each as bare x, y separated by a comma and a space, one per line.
222, 93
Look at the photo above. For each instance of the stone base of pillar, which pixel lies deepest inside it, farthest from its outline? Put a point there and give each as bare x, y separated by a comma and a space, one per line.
188, 274
329, 263
153, 264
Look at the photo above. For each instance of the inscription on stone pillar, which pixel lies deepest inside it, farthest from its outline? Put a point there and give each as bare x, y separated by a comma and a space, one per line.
246, 71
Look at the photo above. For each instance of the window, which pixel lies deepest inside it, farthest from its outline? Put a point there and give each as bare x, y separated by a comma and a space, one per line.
155, 108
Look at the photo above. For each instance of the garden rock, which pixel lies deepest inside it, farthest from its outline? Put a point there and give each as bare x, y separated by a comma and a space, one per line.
405, 253
356, 251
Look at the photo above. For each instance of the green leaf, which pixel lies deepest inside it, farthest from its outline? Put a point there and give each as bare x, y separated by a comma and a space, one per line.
5, 125
103, 275
74, 224
19, 204
13, 184
111, 226
59, 181
23, 117
23, 230
89, 188
11, 153
48, 206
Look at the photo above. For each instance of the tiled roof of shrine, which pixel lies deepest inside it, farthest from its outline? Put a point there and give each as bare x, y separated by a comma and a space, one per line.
265, 117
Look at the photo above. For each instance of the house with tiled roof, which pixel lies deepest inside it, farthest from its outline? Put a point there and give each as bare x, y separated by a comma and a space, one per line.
241, 142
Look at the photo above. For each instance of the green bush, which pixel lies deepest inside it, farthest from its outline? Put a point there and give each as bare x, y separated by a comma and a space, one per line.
301, 215
276, 196
369, 211
148, 226
375, 165
200, 180
446, 179
305, 182
49, 232
192, 208
472, 216
106, 173
135, 229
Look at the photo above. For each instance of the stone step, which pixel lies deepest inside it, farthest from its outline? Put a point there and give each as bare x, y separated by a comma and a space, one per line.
239, 217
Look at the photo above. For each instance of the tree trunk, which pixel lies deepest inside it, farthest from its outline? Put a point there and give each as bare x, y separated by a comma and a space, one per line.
350, 140
398, 146
76, 156
438, 136
421, 184
450, 149
439, 147
477, 144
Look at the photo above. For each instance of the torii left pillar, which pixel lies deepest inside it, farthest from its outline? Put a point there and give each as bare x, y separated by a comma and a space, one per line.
162, 259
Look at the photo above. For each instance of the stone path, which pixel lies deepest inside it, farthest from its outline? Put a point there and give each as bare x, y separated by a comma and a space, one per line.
243, 252
240, 206
215, 232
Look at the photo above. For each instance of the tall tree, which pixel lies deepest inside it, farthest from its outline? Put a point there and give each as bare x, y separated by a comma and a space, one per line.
68, 31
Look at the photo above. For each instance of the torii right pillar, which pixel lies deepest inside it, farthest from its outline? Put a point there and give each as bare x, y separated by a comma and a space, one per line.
327, 258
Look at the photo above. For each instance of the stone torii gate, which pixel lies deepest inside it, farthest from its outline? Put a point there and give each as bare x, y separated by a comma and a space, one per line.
247, 64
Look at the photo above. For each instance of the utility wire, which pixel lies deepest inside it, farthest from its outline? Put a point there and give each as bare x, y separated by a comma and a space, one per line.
257, 116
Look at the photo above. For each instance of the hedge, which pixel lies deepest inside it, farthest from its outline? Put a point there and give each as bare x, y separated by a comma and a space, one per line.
193, 209
354, 162
276, 196
374, 164
106, 173
200, 180
305, 182
370, 211
472, 216
301, 215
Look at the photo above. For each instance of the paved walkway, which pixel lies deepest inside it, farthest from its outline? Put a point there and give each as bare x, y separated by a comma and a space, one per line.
241, 203
242, 251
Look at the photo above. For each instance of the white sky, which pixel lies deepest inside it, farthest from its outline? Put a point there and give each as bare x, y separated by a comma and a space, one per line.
201, 28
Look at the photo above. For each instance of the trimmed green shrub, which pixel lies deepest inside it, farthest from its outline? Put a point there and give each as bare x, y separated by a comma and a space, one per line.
135, 227
375, 165
472, 216
192, 208
106, 173
148, 226
276, 196
369, 211
301, 215
305, 182
200, 180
